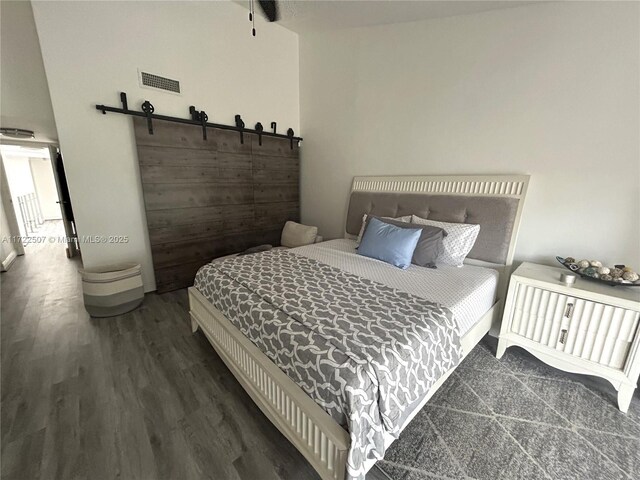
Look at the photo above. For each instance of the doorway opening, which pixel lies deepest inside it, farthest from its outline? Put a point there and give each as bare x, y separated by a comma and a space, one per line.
36, 203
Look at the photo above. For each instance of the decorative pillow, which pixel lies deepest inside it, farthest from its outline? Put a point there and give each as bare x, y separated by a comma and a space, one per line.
389, 243
406, 218
296, 235
458, 242
429, 245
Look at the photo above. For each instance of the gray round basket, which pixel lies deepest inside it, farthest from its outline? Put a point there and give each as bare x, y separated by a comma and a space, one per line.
112, 290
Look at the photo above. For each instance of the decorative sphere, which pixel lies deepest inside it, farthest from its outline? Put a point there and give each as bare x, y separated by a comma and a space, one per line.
591, 272
616, 272
569, 260
630, 276
584, 263
606, 277
604, 270
627, 269
596, 263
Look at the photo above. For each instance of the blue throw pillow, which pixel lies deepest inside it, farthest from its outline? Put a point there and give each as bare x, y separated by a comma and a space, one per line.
389, 243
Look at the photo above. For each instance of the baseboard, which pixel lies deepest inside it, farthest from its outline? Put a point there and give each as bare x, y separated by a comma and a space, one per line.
6, 263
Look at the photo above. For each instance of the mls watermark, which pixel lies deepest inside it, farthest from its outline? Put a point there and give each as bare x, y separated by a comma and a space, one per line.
39, 239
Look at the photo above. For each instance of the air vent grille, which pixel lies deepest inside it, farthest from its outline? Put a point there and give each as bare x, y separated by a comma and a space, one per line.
161, 83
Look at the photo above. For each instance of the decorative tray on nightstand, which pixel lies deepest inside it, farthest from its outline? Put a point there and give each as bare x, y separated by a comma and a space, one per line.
614, 276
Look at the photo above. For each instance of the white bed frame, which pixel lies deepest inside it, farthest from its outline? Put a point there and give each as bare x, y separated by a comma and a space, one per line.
306, 425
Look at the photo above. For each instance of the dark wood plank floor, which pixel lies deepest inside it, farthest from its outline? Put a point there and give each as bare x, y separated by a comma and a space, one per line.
130, 397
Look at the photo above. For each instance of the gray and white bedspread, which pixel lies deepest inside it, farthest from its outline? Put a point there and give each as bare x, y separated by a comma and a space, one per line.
363, 351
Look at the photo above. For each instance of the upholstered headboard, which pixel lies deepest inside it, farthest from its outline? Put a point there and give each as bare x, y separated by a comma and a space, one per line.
494, 202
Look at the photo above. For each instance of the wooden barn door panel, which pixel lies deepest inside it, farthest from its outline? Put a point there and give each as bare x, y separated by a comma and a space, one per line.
209, 198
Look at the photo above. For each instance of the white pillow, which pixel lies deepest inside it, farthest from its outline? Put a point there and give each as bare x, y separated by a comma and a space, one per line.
406, 218
457, 244
296, 235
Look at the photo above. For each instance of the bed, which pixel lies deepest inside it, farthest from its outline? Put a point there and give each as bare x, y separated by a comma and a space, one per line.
278, 319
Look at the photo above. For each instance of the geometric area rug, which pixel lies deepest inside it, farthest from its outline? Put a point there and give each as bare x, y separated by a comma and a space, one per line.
517, 418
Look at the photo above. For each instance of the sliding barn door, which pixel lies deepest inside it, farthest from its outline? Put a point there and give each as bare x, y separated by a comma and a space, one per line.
208, 198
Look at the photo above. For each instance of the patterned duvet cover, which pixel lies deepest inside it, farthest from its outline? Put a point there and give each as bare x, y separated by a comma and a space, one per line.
361, 350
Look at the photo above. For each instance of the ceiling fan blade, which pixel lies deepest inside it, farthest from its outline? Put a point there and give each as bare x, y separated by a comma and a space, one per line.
270, 9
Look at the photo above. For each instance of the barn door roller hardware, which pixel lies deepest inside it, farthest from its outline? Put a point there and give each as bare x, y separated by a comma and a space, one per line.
199, 118
240, 126
291, 137
259, 128
148, 110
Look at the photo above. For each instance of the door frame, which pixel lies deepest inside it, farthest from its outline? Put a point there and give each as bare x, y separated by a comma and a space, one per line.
9, 211
54, 148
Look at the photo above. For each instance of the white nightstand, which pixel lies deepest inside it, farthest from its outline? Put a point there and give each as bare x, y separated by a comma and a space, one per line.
589, 328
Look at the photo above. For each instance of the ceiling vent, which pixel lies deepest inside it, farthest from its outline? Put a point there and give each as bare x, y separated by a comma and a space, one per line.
157, 82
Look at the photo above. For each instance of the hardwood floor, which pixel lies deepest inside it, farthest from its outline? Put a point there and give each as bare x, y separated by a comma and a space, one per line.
132, 397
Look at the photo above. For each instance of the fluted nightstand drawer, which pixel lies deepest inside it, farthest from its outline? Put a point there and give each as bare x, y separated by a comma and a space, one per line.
589, 330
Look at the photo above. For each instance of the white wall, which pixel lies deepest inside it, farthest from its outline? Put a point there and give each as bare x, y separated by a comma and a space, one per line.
18, 175
92, 51
45, 185
550, 89
20, 183
8, 221
23, 84
6, 246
